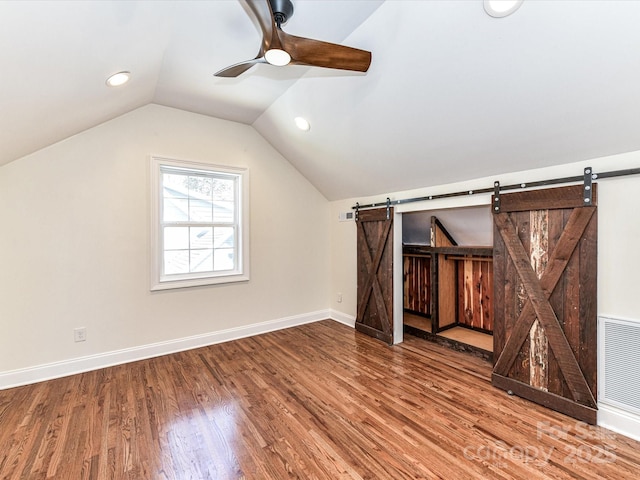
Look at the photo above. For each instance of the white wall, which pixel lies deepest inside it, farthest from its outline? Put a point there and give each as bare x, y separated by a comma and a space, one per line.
618, 234
74, 248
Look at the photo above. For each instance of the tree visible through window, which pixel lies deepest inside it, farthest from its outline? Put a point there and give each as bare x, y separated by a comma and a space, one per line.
199, 216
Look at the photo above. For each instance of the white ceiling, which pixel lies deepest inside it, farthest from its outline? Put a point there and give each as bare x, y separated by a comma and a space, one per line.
451, 93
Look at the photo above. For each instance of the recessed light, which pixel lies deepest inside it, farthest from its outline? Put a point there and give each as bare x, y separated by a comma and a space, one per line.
302, 124
501, 8
277, 57
118, 79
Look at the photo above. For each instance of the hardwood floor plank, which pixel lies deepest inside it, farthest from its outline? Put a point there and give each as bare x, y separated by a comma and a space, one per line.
319, 401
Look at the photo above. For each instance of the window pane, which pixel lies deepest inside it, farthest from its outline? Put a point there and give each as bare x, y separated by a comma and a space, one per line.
200, 187
174, 186
176, 261
223, 212
223, 237
202, 260
176, 238
224, 189
201, 237
175, 210
200, 210
223, 259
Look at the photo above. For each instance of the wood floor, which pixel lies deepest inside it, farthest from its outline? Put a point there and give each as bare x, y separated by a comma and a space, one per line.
470, 337
320, 401
417, 321
459, 334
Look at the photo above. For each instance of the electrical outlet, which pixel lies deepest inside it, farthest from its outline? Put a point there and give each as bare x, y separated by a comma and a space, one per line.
80, 334
339, 298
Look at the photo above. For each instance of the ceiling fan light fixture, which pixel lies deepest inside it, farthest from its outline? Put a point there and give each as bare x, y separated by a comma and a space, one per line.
118, 79
501, 8
277, 57
302, 123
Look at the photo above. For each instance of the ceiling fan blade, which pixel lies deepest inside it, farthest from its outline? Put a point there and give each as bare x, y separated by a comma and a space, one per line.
306, 51
302, 51
238, 68
262, 11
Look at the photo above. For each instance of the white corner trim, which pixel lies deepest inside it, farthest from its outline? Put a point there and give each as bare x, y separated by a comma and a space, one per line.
619, 421
39, 373
348, 320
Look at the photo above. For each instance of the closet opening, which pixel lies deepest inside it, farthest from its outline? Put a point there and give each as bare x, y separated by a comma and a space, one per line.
448, 277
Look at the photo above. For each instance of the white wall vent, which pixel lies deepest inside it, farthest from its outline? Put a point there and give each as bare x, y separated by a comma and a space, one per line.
619, 363
346, 216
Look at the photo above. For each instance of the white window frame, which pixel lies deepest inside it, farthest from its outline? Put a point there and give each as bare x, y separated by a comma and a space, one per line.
160, 281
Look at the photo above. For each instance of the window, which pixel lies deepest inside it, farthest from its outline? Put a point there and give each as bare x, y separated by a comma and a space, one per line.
199, 224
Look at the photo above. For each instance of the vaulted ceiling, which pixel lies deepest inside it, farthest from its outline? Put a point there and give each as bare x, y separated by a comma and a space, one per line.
451, 93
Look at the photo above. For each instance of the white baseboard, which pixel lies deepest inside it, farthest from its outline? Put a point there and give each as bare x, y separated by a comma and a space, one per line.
348, 320
39, 373
619, 421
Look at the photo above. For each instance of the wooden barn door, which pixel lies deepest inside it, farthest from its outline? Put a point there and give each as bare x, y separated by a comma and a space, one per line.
375, 273
545, 258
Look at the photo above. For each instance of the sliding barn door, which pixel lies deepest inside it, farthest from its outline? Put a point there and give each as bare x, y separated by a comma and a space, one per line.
375, 273
545, 258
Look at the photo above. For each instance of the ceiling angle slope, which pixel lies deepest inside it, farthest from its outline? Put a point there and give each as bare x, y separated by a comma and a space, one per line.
280, 48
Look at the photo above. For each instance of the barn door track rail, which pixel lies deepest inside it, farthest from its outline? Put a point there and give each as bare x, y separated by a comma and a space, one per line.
586, 178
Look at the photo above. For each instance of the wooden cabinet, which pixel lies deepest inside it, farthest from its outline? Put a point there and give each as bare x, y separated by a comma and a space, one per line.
417, 283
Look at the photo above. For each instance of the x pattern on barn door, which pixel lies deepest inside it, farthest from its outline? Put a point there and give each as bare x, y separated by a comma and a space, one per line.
375, 273
545, 259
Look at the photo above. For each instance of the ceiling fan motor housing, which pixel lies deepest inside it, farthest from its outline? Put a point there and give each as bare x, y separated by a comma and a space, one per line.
282, 10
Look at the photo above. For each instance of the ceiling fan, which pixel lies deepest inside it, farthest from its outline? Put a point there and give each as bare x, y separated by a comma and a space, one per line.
279, 48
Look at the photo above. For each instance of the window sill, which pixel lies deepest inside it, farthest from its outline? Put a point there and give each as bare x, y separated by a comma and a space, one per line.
198, 282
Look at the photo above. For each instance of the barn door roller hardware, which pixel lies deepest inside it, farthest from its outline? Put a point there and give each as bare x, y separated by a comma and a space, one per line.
587, 187
388, 207
587, 192
357, 207
586, 178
